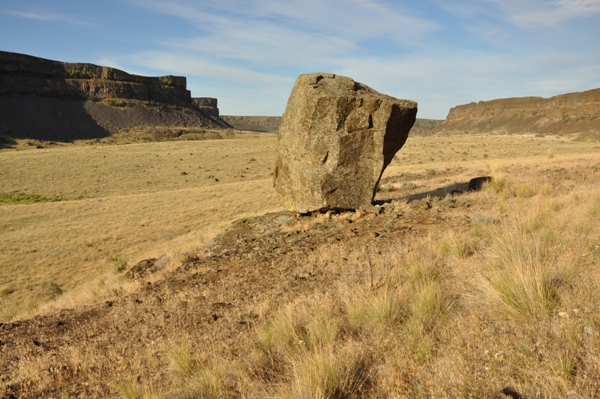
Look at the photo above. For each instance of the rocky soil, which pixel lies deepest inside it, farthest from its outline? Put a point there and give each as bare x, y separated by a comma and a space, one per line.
214, 299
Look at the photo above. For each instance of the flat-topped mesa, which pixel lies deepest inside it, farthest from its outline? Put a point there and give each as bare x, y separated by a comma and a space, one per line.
564, 113
336, 138
25, 75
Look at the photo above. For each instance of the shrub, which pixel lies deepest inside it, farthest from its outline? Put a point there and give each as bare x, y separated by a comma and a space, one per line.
119, 262
53, 290
387, 187
408, 185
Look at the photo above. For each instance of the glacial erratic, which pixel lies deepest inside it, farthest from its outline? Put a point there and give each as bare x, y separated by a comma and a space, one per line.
336, 138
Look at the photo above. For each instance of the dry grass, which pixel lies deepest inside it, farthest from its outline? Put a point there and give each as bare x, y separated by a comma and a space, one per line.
121, 204
518, 310
506, 296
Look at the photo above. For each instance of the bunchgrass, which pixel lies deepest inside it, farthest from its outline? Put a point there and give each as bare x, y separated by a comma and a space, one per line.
385, 306
523, 277
325, 374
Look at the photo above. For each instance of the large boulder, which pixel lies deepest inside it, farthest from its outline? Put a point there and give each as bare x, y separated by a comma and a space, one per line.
336, 138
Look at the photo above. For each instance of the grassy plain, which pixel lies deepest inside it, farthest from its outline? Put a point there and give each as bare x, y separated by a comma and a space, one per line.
119, 204
96, 207
497, 290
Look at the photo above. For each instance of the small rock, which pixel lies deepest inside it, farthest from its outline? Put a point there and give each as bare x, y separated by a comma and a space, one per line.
147, 266
506, 393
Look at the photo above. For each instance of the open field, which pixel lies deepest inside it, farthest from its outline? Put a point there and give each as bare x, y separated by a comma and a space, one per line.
119, 204
462, 296
76, 213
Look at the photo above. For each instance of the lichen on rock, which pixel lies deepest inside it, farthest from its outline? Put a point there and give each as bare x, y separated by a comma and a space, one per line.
336, 138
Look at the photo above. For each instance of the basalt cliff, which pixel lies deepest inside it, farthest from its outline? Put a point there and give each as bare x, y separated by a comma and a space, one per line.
52, 100
565, 113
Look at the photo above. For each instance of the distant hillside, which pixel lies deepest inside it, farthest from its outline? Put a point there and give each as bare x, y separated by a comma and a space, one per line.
566, 113
271, 124
52, 100
254, 123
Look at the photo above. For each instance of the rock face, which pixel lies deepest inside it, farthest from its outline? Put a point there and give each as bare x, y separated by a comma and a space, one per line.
24, 74
50, 100
208, 105
565, 113
335, 140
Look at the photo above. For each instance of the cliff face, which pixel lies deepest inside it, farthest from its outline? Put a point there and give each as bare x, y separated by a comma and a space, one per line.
50, 100
565, 113
24, 75
208, 105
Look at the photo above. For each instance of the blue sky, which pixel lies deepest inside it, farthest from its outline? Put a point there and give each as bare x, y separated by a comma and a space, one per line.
248, 53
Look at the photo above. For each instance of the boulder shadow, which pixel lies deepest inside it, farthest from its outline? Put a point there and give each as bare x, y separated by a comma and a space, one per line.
472, 185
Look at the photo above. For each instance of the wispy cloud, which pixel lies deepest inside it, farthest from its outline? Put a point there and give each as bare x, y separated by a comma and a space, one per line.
196, 66
266, 45
351, 19
541, 13
46, 16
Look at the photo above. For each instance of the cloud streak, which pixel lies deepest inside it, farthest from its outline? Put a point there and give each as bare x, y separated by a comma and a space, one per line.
46, 17
544, 14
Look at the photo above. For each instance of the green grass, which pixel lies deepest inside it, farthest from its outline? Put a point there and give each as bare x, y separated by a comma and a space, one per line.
22, 198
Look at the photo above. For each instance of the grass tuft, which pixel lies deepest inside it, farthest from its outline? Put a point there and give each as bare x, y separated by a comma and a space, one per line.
458, 247
324, 374
377, 308
192, 378
53, 290
523, 279
296, 329
407, 185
